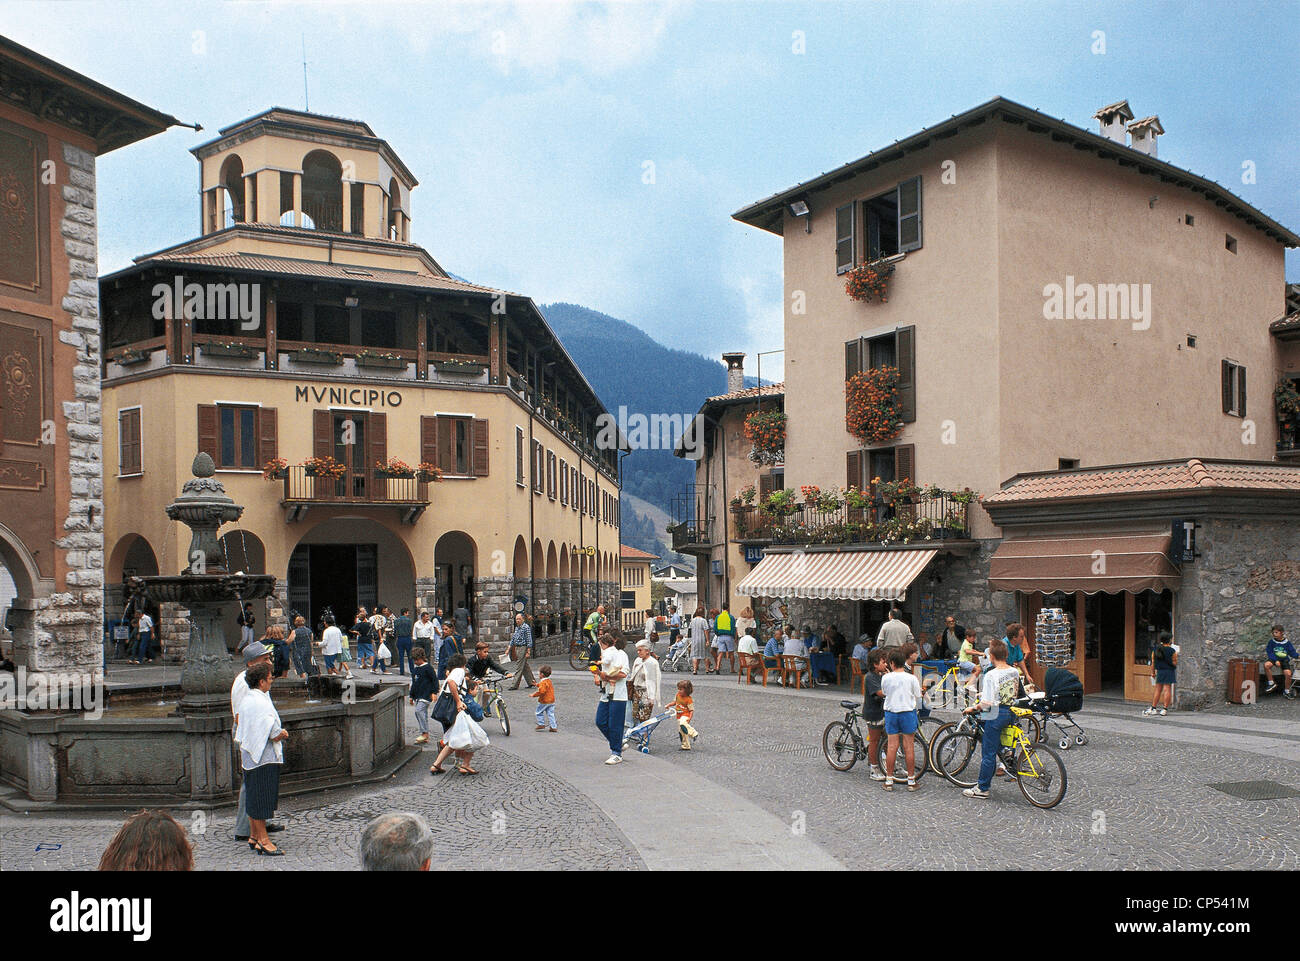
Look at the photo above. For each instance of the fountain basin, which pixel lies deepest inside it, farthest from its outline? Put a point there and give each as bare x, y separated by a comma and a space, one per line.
208, 588
132, 756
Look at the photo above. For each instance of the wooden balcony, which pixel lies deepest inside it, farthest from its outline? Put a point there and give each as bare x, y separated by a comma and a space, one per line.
924, 518
368, 488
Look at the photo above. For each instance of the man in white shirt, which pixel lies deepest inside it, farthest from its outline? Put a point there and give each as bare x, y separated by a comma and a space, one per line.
426, 633
795, 646
749, 652
894, 633
331, 644
255, 653
144, 630
612, 711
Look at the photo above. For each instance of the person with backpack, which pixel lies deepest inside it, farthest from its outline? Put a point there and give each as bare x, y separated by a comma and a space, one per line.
724, 633
1164, 661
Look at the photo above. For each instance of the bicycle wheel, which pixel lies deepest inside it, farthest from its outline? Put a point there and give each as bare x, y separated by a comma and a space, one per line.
502, 716
934, 737
920, 758
954, 756
1041, 775
840, 746
577, 657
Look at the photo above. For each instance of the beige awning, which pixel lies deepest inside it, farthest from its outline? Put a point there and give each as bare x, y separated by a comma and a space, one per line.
841, 576
1092, 563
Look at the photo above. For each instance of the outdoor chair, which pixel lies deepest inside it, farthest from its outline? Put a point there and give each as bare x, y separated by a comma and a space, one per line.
796, 665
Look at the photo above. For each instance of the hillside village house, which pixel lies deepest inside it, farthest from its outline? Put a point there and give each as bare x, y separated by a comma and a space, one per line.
54, 123
635, 577
397, 436
1057, 301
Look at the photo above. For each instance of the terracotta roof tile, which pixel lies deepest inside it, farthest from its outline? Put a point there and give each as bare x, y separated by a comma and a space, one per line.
1156, 478
632, 554
767, 390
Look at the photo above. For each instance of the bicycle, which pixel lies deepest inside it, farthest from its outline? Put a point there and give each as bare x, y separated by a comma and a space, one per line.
843, 745
1030, 724
1037, 769
580, 655
496, 705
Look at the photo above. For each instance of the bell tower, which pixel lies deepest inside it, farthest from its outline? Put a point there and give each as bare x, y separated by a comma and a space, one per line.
287, 168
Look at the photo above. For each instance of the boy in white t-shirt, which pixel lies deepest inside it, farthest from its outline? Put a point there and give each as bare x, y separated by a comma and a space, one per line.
902, 697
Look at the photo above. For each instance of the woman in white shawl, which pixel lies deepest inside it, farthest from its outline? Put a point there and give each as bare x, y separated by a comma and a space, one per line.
644, 681
259, 735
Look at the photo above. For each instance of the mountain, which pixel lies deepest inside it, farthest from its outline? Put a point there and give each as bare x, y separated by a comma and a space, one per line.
628, 368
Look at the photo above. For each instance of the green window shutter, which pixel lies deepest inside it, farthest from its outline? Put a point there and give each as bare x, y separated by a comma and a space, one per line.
844, 253
909, 215
905, 351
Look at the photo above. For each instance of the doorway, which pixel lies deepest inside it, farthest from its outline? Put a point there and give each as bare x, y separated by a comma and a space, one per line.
1104, 631
341, 577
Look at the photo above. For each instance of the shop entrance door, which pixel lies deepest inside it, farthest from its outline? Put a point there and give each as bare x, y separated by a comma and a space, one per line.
1146, 615
1107, 635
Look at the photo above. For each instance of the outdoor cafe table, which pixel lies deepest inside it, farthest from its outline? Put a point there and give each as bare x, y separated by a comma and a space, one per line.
823, 662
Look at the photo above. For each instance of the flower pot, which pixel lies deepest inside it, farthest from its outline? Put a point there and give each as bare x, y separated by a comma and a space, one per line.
133, 358
228, 350
386, 363
279, 475
323, 358
397, 475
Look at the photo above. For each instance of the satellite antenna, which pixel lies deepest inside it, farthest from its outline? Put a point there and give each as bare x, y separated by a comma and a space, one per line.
306, 101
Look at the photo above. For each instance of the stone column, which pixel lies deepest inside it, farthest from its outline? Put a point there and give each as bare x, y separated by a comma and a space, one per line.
277, 608
494, 606
347, 206
173, 631
297, 200
426, 595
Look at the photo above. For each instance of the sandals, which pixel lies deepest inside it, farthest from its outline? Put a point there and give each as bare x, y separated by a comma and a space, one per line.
436, 770
466, 770
274, 853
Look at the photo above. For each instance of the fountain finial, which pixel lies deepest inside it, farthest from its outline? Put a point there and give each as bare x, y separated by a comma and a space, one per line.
203, 465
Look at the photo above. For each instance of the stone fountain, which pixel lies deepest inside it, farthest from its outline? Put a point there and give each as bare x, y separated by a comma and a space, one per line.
206, 588
143, 752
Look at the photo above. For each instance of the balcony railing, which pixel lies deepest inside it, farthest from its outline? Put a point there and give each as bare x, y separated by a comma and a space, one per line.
694, 529
932, 518
354, 487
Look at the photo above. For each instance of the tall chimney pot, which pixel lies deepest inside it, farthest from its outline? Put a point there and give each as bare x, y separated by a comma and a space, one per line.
735, 371
1112, 118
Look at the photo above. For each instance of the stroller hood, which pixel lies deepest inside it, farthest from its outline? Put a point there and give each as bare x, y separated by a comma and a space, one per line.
1060, 681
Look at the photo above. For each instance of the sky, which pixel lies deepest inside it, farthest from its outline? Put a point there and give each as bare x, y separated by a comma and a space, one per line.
594, 152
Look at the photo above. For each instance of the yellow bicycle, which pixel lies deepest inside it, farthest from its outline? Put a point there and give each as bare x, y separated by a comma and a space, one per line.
1037, 769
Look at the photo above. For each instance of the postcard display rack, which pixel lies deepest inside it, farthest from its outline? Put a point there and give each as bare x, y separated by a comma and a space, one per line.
1054, 637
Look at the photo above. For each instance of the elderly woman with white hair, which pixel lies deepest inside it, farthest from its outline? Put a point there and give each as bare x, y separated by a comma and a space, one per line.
643, 680
259, 733
399, 841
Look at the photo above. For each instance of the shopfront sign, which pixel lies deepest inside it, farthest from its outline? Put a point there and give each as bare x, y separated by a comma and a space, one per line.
1182, 543
753, 554
716, 567
354, 396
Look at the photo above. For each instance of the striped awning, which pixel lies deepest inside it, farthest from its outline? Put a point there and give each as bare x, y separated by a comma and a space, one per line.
839, 576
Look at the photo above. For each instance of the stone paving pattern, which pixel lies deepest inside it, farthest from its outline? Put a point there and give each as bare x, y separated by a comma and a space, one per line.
1137, 798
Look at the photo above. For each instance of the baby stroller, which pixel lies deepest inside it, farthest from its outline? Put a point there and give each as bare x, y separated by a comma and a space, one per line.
639, 735
675, 659
1062, 695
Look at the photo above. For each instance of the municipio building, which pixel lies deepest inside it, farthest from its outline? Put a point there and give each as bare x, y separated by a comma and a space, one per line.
398, 436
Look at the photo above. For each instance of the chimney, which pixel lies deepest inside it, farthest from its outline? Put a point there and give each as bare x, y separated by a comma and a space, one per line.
1112, 118
735, 371
1143, 134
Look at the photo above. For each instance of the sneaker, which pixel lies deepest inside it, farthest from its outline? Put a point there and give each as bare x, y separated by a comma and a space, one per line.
975, 792
422, 739
1289, 693
877, 774
1163, 712
614, 759
1150, 712
1272, 686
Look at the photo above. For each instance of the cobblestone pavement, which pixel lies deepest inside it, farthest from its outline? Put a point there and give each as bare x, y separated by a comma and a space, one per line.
538, 820
1139, 797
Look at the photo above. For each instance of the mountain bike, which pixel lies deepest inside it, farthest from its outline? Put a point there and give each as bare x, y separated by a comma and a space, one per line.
843, 745
580, 656
1037, 769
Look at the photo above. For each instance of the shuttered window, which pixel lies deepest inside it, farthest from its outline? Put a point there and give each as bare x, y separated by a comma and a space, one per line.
539, 467
458, 445
520, 458
844, 252
129, 456
552, 482
897, 349
909, 215
1234, 389
237, 437
564, 483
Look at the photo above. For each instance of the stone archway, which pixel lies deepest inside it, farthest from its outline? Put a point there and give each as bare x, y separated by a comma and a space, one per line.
18, 625
455, 558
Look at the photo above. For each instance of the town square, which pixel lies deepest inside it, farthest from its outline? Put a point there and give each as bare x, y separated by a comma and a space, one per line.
472, 474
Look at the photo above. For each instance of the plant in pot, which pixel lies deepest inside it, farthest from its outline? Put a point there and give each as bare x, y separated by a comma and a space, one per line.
275, 469
394, 468
323, 467
1286, 400
873, 410
425, 471
779, 504
765, 429
870, 281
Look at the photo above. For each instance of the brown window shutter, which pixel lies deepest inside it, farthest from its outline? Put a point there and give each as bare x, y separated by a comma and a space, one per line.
764, 485
480, 448
322, 434
1241, 391
129, 456
1225, 370
852, 357
377, 429
429, 440
267, 435
446, 450
853, 469
208, 441
905, 462
905, 351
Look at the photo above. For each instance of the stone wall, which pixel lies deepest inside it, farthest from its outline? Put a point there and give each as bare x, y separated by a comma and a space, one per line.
68, 624
1246, 580
963, 591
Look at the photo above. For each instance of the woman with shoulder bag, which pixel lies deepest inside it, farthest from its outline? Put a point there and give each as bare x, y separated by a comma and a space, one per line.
452, 710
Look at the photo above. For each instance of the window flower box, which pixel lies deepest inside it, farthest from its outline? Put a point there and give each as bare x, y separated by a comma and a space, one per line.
471, 367
394, 468
323, 467
314, 355
219, 349
381, 361
277, 469
132, 357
